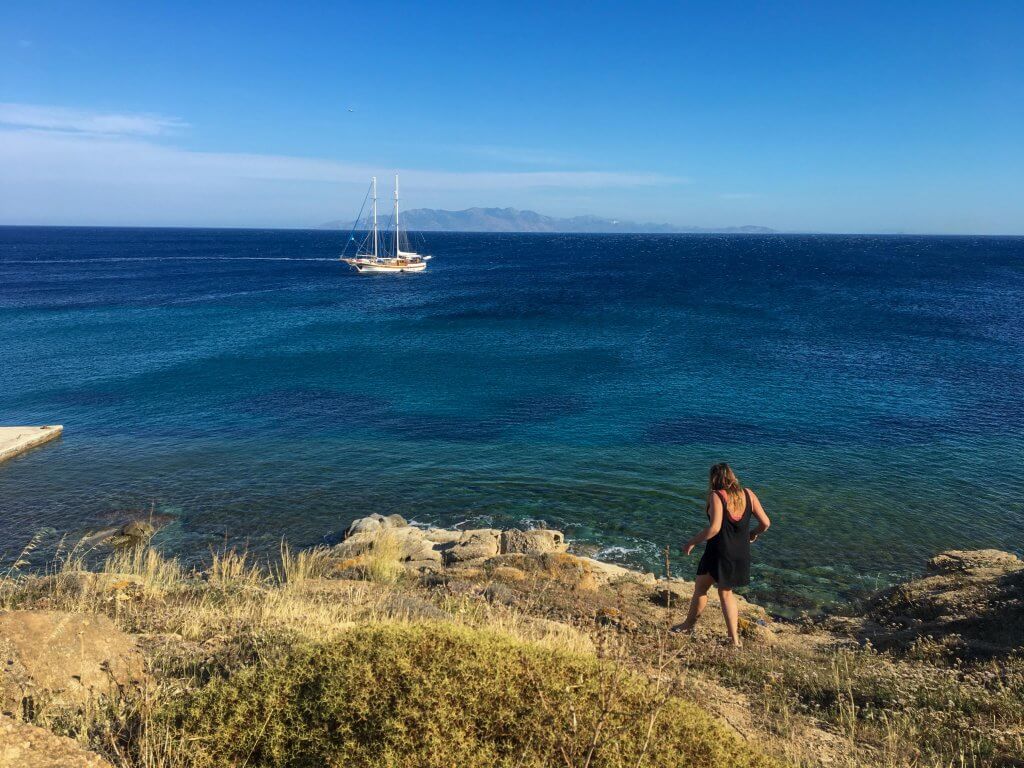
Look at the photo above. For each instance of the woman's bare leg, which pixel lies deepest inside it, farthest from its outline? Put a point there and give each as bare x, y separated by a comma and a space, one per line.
697, 603
731, 614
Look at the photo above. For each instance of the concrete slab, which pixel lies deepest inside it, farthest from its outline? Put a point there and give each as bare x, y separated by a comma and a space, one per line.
17, 440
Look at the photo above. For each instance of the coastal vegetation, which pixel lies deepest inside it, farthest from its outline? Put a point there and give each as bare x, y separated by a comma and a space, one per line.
373, 653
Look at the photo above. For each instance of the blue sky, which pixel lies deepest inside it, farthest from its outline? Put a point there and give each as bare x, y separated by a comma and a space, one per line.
844, 117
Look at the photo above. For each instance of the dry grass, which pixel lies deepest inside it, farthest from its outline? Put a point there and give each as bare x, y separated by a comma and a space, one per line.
382, 563
874, 709
299, 567
812, 701
233, 616
157, 573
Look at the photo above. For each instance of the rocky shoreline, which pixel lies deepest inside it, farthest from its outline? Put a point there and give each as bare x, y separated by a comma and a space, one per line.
424, 551
71, 639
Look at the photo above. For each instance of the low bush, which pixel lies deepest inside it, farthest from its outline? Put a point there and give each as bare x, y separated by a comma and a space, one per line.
441, 695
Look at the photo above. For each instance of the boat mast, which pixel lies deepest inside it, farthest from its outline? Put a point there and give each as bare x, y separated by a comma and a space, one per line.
397, 247
375, 216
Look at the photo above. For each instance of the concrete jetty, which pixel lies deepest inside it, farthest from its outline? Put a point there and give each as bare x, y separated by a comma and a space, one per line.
17, 440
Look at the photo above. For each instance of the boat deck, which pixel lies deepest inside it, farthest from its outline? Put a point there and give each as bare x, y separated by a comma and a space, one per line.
16, 440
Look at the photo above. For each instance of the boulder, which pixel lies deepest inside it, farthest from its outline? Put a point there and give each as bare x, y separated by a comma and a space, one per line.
63, 660
375, 522
363, 525
442, 536
409, 541
28, 746
539, 541
419, 550
964, 561
568, 570
474, 546
610, 573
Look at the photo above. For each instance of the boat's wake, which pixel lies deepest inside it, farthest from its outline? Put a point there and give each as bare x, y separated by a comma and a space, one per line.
164, 258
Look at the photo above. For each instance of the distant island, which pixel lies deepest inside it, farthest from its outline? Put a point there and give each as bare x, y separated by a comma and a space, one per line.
514, 220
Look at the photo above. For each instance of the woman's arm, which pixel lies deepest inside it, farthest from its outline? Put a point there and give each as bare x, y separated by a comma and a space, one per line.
763, 523
714, 524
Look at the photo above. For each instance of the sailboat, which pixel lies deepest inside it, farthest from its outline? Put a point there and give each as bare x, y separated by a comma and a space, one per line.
371, 257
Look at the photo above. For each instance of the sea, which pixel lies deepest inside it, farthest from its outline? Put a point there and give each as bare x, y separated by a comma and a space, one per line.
244, 387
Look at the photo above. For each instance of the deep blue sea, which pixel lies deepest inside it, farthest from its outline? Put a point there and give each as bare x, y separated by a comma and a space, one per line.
246, 384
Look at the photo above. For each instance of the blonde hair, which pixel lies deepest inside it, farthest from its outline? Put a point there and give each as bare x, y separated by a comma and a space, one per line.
722, 478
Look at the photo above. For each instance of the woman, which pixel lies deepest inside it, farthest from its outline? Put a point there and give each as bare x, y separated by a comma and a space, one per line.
726, 559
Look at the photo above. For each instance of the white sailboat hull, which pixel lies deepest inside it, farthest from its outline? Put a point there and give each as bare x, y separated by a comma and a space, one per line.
369, 267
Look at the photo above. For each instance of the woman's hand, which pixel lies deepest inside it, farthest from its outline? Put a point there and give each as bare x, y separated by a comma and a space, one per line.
753, 537
688, 548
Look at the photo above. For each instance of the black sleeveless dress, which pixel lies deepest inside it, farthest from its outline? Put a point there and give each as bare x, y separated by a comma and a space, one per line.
726, 557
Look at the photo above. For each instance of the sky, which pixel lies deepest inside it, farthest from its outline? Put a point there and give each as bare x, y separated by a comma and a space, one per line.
817, 116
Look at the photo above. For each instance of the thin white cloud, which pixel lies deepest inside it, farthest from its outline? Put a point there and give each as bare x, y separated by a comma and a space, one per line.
83, 121
56, 155
737, 195
71, 166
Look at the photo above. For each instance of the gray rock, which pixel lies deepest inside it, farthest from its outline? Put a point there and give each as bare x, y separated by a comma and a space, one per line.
416, 549
539, 541
411, 544
474, 545
375, 522
367, 524
609, 573
442, 536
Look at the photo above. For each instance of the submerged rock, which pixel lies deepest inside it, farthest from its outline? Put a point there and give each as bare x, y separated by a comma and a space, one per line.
131, 534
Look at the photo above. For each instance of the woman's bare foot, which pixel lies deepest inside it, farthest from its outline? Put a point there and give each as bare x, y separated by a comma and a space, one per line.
682, 629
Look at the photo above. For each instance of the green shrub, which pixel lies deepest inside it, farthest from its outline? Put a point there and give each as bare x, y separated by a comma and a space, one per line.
438, 695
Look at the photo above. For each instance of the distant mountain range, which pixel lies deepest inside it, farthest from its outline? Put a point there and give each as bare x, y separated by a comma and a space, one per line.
513, 220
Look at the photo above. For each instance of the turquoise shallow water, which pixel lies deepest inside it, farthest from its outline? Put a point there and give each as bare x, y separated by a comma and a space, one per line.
247, 385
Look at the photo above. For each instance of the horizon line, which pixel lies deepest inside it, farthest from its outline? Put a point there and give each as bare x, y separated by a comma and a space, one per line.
708, 231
